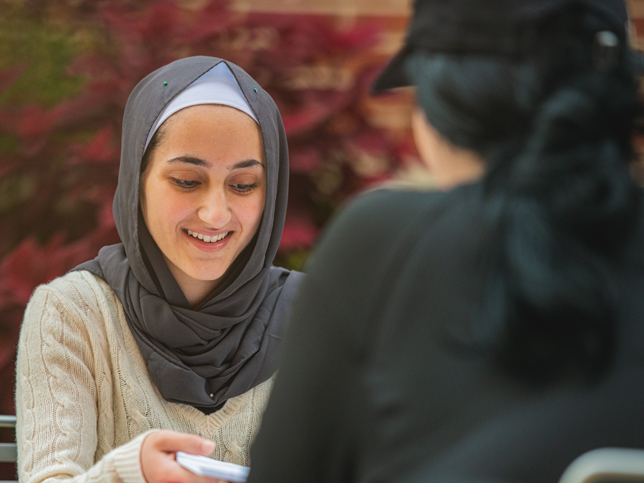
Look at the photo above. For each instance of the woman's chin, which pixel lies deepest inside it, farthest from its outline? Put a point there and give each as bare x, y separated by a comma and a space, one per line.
206, 276
197, 274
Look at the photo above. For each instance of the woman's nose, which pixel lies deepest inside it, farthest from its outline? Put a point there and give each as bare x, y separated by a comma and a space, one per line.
214, 209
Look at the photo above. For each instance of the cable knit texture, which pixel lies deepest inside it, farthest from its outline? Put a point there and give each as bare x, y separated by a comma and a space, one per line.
84, 400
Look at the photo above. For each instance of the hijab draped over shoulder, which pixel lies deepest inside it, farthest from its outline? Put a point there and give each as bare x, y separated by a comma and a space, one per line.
228, 344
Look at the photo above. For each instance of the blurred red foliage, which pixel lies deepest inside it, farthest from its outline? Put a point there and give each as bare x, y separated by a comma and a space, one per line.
62, 168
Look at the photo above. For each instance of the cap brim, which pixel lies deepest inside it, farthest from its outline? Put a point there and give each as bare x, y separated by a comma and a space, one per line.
394, 74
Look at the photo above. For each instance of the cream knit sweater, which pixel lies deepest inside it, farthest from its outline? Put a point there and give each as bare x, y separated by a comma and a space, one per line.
84, 398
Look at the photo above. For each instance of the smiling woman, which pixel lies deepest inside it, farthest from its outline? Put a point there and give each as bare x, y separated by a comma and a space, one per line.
203, 193
167, 341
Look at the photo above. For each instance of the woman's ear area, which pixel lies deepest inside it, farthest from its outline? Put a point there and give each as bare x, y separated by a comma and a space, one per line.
146, 160
143, 176
422, 135
262, 145
450, 165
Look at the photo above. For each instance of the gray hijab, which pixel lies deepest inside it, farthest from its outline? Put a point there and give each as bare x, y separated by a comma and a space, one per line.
228, 344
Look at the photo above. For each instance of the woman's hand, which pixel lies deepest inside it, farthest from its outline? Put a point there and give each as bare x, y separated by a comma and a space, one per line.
158, 453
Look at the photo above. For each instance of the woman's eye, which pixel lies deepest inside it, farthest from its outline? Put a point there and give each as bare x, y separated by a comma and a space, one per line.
244, 188
184, 183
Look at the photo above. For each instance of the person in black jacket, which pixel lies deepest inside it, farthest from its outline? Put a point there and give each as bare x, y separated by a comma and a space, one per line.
492, 330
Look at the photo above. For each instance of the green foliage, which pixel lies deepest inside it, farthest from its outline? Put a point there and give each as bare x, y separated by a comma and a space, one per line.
46, 49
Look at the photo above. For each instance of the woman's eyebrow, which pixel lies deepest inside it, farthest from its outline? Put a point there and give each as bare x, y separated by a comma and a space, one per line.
247, 164
201, 162
190, 160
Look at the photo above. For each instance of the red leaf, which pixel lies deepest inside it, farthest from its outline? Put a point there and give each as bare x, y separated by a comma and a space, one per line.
101, 149
8, 77
305, 160
161, 21
106, 217
371, 141
211, 19
116, 17
359, 38
298, 233
30, 265
8, 164
81, 108
34, 122
311, 115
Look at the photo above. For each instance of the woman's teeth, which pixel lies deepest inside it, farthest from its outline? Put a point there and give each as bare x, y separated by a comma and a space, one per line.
207, 238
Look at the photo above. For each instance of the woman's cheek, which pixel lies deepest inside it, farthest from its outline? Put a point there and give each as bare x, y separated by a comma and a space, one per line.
256, 210
175, 207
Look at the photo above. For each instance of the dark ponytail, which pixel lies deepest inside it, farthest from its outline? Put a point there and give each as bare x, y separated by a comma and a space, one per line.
559, 203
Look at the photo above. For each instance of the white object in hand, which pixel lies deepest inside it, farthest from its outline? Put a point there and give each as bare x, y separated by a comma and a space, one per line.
203, 466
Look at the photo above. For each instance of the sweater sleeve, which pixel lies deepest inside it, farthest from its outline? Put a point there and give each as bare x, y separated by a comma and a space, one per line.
56, 400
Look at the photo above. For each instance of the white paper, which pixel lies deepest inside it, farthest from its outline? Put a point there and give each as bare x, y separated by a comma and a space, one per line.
203, 466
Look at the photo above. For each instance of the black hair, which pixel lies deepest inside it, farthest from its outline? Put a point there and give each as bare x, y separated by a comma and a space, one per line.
156, 139
555, 129
152, 145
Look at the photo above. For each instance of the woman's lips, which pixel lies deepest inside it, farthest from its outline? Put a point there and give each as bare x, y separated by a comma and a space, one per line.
208, 238
201, 241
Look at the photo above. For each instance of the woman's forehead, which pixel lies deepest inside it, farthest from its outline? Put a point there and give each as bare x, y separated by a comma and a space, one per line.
205, 112
212, 130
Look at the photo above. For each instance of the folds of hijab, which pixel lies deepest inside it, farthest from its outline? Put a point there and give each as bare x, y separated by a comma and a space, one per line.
217, 86
229, 343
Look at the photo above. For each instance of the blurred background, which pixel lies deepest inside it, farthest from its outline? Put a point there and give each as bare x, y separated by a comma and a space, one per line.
68, 66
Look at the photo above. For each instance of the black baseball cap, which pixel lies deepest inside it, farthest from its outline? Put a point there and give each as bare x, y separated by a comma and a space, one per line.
493, 27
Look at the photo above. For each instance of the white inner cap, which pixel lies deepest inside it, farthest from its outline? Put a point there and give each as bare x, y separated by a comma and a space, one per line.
217, 86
